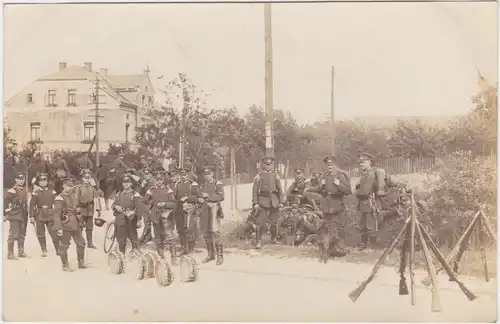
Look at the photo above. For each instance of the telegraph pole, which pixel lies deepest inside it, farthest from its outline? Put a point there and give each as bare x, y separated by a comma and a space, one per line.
332, 107
269, 80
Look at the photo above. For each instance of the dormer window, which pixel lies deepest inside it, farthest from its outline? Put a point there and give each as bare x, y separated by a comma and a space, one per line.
30, 98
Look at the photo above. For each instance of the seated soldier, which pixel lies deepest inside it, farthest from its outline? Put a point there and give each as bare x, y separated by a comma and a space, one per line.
297, 188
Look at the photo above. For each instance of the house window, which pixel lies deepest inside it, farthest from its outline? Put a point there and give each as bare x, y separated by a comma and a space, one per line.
52, 98
71, 97
30, 98
88, 131
36, 131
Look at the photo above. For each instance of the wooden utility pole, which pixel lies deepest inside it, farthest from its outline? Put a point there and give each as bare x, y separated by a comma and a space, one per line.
332, 107
269, 80
97, 122
182, 142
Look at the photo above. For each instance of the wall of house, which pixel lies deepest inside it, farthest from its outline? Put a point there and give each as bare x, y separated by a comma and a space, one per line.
62, 127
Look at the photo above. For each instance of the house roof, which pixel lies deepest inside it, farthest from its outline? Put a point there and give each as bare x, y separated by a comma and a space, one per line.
126, 81
80, 72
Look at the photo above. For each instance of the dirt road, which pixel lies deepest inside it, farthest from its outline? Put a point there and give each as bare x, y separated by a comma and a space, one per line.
245, 288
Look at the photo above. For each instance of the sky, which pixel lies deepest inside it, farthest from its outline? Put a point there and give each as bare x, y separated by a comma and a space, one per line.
391, 59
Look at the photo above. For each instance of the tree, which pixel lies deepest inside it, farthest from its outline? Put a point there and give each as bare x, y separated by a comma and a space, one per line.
8, 141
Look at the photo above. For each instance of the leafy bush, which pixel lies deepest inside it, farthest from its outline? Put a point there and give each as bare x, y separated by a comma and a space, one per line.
456, 188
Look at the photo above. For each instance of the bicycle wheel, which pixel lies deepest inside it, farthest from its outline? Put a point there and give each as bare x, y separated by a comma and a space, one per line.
109, 237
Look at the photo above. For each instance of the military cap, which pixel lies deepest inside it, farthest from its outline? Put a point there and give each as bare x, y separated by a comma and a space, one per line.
183, 170
130, 170
299, 170
85, 171
19, 175
126, 178
42, 175
159, 175
329, 159
67, 180
173, 172
207, 169
147, 170
367, 156
267, 160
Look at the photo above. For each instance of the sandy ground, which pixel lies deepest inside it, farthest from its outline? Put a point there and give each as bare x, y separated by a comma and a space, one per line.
244, 288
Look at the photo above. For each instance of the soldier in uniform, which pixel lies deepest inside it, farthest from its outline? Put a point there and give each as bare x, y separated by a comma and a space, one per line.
42, 212
127, 209
132, 173
186, 192
364, 189
334, 185
147, 183
61, 170
16, 212
173, 178
212, 194
68, 224
266, 200
88, 204
161, 201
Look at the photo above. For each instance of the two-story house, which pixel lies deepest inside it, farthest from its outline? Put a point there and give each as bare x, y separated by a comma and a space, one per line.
58, 110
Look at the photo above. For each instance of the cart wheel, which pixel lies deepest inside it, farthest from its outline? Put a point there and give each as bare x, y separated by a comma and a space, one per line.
136, 265
151, 258
163, 273
115, 262
188, 269
109, 237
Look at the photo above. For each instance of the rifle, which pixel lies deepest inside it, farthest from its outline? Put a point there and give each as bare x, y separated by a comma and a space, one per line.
354, 295
403, 287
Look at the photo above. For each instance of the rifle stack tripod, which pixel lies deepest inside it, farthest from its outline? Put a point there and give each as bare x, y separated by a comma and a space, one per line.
412, 229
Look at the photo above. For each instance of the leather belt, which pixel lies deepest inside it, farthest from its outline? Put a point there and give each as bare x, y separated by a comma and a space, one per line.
45, 207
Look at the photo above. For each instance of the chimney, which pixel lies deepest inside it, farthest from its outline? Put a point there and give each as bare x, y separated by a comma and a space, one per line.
104, 72
62, 65
88, 66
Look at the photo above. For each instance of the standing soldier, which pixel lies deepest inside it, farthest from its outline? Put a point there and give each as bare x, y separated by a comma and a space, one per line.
161, 201
146, 184
174, 179
68, 224
60, 169
88, 204
16, 212
127, 209
42, 212
212, 194
266, 200
364, 189
186, 191
334, 185
132, 173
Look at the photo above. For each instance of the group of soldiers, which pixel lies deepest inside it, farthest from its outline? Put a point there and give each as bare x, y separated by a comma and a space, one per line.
326, 193
161, 201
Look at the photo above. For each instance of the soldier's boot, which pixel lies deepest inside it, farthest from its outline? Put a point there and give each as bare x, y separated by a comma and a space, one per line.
274, 234
56, 245
190, 247
210, 251
43, 245
20, 250
220, 254
182, 239
161, 252
364, 242
10, 253
80, 253
258, 238
173, 254
65, 263
90, 241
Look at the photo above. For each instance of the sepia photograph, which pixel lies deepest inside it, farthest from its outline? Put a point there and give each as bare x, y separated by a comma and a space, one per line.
250, 162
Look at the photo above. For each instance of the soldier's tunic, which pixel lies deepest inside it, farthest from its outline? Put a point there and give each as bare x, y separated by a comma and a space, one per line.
88, 201
364, 189
333, 207
144, 186
66, 219
185, 223
15, 203
126, 221
211, 213
42, 209
298, 187
267, 193
162, 203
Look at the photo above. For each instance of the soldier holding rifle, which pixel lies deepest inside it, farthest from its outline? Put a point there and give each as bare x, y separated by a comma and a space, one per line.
266, 200
334, 185
161, 201
16, 212
186, 192
42, 212
211, 195
68, 224
127, 210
